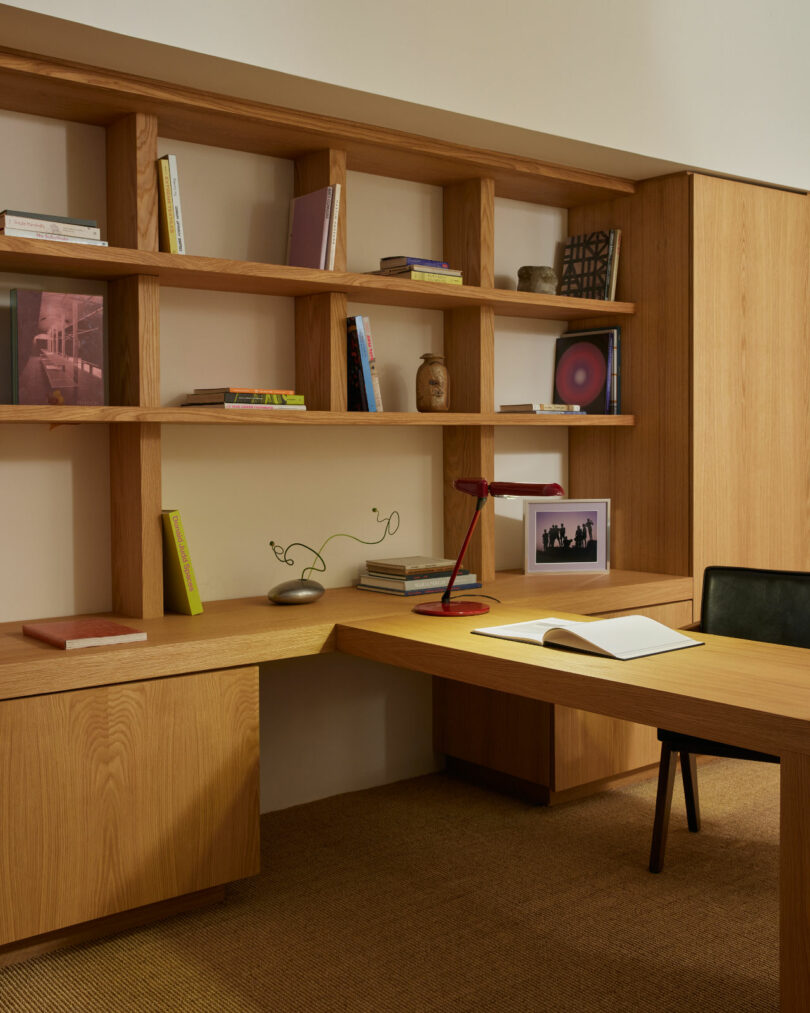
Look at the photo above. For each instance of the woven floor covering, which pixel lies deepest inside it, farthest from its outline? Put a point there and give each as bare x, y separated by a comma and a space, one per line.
434, 895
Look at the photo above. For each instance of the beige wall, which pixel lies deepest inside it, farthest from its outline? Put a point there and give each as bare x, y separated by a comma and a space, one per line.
721, 86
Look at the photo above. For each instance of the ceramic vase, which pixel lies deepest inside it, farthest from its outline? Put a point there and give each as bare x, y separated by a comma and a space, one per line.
432, 384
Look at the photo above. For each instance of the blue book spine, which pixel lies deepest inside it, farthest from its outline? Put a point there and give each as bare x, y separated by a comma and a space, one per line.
365, 364
411, 261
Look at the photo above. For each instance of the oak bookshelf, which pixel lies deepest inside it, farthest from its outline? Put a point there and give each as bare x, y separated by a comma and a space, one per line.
135, 111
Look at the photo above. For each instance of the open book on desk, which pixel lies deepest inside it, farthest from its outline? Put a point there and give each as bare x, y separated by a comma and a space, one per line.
623, 637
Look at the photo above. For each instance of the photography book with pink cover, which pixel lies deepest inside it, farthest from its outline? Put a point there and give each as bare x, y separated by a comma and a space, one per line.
310, 217
92, 632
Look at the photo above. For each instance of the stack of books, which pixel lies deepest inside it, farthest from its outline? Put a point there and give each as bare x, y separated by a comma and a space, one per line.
419, 269
33, 225
312, 238
539, 408
247, 397
363, 383
409, 575
170, 220
590, 265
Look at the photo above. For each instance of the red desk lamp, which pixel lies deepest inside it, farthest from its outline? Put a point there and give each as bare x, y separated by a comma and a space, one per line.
480, 488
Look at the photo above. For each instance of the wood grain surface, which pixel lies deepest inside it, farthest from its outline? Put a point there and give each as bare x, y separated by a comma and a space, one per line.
121, 796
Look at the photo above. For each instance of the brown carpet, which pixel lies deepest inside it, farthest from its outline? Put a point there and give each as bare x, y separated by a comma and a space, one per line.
432, 895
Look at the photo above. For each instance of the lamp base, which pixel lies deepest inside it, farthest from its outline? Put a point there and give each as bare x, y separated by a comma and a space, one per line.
451, 608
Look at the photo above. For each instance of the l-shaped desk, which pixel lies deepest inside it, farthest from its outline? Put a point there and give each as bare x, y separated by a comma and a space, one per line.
749, 694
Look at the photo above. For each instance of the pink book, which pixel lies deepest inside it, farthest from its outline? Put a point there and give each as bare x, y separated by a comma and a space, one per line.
70, 633
310, 216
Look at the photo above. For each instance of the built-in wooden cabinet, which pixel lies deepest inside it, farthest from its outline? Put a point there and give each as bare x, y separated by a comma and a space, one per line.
118, 797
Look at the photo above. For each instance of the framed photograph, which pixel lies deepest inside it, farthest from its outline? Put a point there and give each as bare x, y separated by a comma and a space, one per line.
567, 536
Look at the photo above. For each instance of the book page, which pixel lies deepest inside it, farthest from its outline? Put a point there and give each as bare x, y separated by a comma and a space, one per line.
622, 637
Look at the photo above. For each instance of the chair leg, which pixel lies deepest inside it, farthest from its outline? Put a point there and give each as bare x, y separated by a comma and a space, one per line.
663, 804
690, 790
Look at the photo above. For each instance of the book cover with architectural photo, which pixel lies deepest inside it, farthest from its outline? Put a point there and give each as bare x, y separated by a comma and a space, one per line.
57, 348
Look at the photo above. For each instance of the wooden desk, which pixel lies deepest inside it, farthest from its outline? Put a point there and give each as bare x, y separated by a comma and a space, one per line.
745, 693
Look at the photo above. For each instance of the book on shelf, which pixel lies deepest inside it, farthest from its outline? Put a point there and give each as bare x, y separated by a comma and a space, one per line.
436, 582
537, 408
167, 223
589, 264
408, 592
251, 405
613, 270
334, 218
243, 390
623, 637
172, 199
412, 565
69, 634
227, 397
52, 237
453, 272
180, 590
360, 388
28, 222
583, 370
310, 220
88, 223
388, 262
614, 400
414, 274
57, 348
372, 364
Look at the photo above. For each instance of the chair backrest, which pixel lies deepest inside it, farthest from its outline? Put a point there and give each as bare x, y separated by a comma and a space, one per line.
768, 605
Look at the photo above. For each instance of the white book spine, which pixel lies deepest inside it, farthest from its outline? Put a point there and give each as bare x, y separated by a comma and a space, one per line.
26, 234
46, 225
333, 227
178, 216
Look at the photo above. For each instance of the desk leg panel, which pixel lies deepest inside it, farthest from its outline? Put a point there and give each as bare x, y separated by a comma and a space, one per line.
794, 884
120, 796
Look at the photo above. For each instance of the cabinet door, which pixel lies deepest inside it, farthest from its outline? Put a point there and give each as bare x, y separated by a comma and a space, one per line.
751, 365
120, 796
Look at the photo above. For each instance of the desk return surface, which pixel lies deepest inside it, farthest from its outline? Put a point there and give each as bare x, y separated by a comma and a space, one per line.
748, 693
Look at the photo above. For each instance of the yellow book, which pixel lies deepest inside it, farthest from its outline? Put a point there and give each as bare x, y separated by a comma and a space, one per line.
180, 591
168, 226
444, 279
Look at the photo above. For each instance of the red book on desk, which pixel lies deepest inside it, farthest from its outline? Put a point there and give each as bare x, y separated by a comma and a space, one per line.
70, 633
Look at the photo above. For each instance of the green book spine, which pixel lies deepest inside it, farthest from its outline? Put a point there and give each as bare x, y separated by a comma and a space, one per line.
180, 591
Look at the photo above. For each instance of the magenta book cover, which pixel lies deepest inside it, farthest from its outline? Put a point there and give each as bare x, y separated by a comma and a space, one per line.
309, 228
57, 348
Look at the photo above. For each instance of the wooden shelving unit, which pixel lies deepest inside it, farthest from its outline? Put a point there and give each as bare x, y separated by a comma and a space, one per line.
214, 415
34, 256
135, 111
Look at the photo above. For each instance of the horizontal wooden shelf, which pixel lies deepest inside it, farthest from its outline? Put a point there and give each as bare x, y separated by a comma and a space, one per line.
41, 256
215, 415
71, 91
249, 630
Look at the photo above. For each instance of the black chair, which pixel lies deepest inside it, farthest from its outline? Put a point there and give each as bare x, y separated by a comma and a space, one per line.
767, 605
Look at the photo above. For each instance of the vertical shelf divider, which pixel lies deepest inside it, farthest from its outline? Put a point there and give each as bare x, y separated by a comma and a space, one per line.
469, 347
320, 320
134, 375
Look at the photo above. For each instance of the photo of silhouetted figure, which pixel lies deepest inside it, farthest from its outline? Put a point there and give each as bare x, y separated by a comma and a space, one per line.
553, 545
